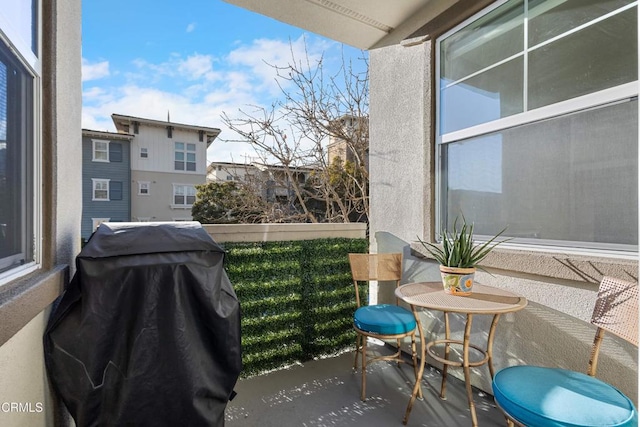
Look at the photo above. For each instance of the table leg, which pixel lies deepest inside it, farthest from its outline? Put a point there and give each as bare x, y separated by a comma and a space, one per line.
492, 331
363, 396
445, 367
416, 388
467, 370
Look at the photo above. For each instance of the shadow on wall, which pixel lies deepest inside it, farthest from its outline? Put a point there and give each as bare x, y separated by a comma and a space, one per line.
415, 269
560, 340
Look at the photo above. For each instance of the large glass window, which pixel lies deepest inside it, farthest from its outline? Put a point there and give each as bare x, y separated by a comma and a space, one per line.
16, 161
185, 157
100, 151
537, 123
184, 195
100, 189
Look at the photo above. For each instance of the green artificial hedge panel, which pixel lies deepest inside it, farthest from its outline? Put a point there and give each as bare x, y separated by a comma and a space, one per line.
297, 299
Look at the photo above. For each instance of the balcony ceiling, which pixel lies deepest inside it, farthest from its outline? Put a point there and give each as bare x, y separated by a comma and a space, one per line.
359, 23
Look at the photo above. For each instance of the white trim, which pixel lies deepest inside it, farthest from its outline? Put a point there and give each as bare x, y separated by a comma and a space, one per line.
94, 181
11, 36
20, 50
94, 142
17, 272
185, 152
173, 196
141, 184
618, 93
146, 153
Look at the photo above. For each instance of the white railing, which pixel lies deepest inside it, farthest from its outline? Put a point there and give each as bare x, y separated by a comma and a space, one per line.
283, 232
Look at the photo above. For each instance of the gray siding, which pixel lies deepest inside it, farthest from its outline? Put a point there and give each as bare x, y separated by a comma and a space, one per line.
117, 210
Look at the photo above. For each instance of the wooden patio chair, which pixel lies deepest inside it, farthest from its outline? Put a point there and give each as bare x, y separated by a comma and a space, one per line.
540, 396
381, 321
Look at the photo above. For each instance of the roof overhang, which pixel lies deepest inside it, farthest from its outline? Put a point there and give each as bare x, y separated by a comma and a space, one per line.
123, 123
364, 24
108, 135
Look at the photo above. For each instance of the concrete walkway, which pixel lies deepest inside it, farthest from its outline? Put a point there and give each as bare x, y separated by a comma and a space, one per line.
327, 393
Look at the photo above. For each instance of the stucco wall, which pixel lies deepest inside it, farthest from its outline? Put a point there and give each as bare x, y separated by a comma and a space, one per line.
68, 138
22, 378
553, 330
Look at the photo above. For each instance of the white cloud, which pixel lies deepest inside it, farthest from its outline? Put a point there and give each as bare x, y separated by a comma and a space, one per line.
196, 66
191, 27
262, 55
94, 71
197, 88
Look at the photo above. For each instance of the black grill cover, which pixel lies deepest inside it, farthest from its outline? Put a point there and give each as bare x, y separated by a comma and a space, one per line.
148, 331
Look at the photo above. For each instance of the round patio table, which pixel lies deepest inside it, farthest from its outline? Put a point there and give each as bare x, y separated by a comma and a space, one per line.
483, 300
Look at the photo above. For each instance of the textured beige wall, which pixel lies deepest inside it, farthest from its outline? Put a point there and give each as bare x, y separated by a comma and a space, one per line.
68, 114
23, 379
157, 204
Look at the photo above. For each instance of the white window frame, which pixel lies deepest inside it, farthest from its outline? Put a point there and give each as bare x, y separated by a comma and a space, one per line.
94, 183
95, 150
186, 152
175, 205
142, 185
20, 50
595, 99
144, 153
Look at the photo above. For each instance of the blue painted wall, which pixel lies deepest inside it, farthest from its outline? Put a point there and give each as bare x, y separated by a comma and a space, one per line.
118, 209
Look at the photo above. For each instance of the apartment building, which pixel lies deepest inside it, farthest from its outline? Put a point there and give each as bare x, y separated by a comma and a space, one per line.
168, 160
271, 181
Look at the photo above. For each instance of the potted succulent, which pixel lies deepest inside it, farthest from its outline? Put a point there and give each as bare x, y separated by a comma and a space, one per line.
459, 256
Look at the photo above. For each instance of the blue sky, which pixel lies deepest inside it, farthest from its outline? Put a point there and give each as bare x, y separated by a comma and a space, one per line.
193, 58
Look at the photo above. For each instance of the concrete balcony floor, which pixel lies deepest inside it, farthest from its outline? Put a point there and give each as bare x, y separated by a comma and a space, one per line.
326, 392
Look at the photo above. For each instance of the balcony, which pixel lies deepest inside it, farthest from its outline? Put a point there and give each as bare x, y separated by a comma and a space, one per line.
326, 392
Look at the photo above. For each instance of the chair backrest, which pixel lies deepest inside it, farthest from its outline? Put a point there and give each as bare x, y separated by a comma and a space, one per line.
366, 267
616, 312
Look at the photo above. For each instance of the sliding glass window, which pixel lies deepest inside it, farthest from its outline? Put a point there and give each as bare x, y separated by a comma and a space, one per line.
537, 123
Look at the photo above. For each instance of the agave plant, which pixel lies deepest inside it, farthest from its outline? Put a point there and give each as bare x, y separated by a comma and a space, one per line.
458, 249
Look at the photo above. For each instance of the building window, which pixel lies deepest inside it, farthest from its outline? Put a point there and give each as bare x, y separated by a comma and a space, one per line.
229, 178
184, 195
100, 151
143, 188
17, 149
185, 157
534, 130
144, 153
98, 221
100, 189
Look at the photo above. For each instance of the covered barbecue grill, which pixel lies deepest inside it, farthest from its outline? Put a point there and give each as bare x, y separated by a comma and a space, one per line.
148, 330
